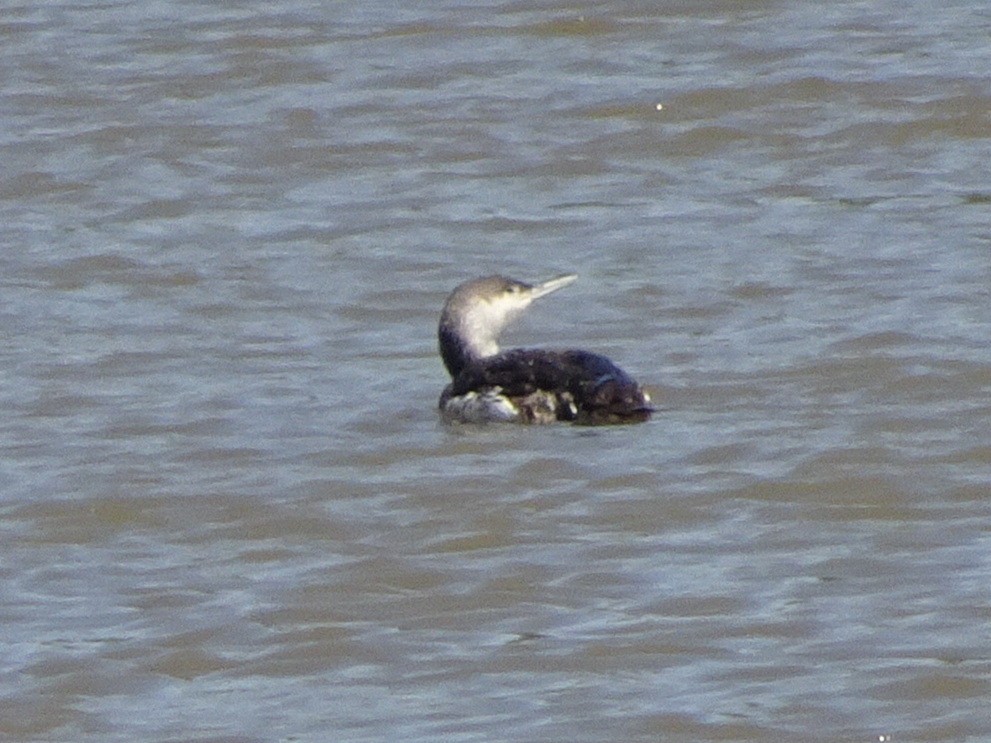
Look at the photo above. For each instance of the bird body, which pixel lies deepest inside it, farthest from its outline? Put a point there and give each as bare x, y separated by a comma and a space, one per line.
525, 385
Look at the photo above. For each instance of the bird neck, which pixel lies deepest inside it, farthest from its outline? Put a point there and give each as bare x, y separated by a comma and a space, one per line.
458, 349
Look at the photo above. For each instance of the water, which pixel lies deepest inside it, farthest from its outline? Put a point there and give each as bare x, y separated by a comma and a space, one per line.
229, 511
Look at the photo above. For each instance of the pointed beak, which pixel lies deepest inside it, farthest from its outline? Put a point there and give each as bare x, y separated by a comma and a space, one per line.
539, 290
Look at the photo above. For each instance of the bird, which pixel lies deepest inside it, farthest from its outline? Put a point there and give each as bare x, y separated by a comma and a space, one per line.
524, 385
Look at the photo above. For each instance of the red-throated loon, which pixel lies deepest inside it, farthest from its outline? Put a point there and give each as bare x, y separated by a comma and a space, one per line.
524, 385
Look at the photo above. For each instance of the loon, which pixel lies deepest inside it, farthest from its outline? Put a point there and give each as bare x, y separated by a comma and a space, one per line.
524, 385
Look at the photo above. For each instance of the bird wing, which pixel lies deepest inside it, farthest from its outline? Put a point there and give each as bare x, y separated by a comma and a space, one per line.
592, 385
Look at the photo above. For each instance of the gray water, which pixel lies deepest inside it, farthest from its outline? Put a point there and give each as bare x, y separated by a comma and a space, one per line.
229, 511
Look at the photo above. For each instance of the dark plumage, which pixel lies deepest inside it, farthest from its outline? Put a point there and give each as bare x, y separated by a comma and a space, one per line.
579, 386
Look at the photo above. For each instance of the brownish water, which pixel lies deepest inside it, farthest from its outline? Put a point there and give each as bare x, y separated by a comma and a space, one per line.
229, 511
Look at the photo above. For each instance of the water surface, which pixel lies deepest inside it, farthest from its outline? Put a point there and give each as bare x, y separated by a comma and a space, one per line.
229, 511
